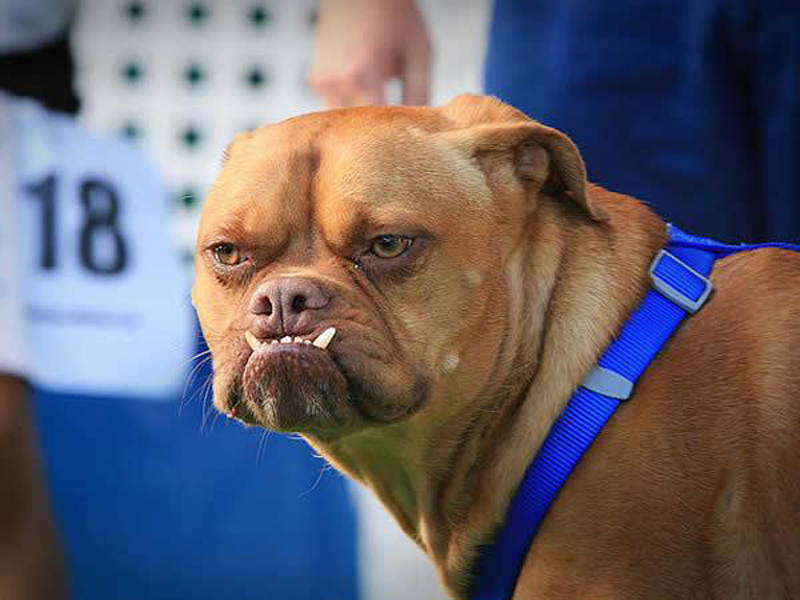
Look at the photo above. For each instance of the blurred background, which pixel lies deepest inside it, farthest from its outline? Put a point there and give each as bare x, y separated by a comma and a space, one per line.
180, 78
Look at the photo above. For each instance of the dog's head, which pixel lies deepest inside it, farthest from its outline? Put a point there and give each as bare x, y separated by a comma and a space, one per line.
350, 266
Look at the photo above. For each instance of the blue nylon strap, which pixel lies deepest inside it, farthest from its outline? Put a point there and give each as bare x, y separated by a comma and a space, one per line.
570, 436
639, 340
685, 240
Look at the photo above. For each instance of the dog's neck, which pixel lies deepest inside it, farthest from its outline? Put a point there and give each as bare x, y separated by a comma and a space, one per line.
449, 481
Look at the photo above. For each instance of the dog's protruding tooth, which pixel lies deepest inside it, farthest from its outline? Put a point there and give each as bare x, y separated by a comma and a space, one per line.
273, 342
252, 340
324, 338
286, 339
298, 340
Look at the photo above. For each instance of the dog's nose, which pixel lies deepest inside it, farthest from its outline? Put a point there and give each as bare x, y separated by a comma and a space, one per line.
286, 305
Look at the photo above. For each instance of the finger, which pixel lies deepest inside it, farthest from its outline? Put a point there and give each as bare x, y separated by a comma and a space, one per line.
416, 80
330, 92
372, 95
331, 97
354, 88
342, 100
363, 85
334, 101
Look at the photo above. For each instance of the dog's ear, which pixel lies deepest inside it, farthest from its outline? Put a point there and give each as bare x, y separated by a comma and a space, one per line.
540, 156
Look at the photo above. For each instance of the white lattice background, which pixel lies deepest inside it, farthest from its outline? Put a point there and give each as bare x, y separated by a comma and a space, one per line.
180, 77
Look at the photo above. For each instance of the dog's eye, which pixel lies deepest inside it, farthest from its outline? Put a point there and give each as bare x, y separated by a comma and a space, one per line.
227, 254
390, 246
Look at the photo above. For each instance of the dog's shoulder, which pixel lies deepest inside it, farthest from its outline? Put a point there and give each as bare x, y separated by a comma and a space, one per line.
765, 284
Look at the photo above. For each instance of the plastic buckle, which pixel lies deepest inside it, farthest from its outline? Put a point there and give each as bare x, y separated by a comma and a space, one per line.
671, 293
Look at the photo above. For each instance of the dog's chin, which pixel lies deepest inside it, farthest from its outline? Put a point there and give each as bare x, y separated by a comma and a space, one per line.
294, 387
303, 389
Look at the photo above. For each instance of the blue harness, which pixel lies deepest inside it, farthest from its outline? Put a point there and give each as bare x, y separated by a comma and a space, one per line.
680, 286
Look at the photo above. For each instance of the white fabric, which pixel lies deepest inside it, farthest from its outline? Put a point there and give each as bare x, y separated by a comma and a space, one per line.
14, 353
27, 24
69, 327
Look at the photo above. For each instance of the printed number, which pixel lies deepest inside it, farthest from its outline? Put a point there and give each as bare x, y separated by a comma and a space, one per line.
100, 203
46, 192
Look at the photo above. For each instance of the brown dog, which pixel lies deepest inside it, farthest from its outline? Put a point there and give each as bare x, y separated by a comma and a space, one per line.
458, 279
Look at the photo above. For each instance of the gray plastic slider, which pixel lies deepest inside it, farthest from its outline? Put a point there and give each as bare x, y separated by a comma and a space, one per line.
674, 295
608, 383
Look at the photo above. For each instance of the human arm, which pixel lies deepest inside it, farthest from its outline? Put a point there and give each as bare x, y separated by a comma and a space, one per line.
30, 558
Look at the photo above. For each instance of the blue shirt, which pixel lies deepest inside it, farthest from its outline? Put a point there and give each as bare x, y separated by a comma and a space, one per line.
690, 105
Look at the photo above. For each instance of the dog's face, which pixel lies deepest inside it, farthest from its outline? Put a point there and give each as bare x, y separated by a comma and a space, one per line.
350, 264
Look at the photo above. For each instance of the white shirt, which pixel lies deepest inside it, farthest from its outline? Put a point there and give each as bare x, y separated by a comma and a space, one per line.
92, 294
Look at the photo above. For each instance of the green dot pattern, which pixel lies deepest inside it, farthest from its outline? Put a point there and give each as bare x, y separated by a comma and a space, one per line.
197, 13
131, 130
194, 74
182, 77
191, 137
259, 16
132, 72
188, 197
135, 11
256, 78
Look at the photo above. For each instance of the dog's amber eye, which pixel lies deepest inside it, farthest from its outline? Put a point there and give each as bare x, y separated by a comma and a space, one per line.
390, 246
227, 254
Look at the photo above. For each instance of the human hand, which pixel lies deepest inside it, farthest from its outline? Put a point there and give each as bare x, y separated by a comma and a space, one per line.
362, 44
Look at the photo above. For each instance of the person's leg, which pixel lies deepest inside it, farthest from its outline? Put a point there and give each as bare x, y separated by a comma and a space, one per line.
774, 43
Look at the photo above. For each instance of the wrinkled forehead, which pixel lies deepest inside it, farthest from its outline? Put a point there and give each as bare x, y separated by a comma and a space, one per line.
341, 175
